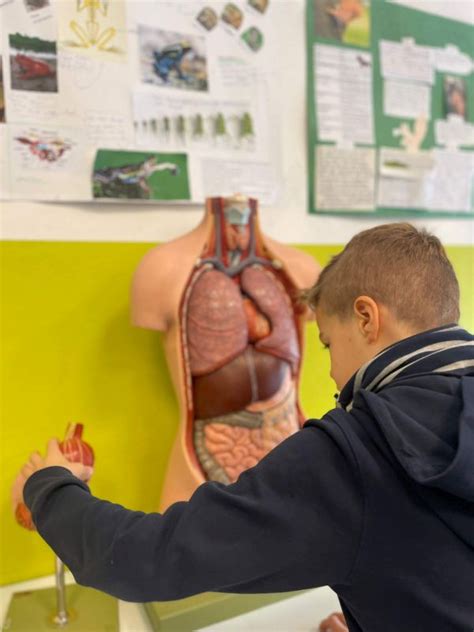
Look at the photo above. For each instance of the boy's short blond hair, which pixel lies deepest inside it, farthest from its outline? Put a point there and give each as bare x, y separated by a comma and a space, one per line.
404, 268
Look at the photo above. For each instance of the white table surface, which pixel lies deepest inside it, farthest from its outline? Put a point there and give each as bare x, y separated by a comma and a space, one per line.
296, 614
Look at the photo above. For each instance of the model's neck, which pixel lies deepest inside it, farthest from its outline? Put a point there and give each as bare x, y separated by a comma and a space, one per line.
233, 244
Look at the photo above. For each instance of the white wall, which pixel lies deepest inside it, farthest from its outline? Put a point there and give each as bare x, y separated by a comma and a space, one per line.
289, 221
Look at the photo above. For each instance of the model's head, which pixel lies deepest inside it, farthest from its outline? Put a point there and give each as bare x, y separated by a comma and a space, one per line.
389, 282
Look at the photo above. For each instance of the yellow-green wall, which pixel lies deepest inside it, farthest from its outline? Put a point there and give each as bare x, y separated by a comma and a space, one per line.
68, 353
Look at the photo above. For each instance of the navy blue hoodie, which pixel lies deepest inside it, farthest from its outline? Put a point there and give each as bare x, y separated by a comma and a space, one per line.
375, 500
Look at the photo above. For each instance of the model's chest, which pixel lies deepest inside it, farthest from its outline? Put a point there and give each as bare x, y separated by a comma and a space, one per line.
222, 315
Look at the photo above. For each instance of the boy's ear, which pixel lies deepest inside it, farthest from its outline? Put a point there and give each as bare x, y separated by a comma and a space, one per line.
367, 315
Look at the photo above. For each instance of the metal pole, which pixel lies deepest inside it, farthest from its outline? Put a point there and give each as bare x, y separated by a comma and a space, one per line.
61, 618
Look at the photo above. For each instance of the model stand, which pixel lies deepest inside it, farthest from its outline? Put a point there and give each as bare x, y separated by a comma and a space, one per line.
74, 609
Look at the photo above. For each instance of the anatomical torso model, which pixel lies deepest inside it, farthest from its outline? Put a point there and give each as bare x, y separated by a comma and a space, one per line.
227, 299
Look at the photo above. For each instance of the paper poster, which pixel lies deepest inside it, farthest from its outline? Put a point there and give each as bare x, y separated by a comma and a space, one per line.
46, 161
33, 63
400, 194
95, 29
402, 176
451, 60
435, 180
106, 128
103, 94
345, 179
449, 185
173, 60
250, 178
406, 60
397, 163
140, 176
38, 10
204, 90
347, 22
31, 81
206, 125
343, 94
390, 113
454, 132
407, 99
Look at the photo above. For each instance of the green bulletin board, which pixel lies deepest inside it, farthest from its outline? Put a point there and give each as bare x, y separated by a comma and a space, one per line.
390, 110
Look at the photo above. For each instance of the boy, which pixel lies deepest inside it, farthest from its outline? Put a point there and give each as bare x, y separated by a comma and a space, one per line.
376, 499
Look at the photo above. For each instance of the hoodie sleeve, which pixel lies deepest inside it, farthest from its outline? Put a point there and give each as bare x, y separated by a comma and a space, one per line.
291, 522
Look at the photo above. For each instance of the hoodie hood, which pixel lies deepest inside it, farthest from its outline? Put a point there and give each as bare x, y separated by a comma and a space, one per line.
429, 426
416, 400
447, 350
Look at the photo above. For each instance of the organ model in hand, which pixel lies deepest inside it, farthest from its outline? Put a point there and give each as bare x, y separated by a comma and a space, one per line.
75, 450
226, 297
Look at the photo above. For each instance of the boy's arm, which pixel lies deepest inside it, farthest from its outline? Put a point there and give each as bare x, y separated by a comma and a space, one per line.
291, 522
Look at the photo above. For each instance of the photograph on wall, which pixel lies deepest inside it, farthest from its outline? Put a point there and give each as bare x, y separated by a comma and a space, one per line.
232, 16
167, 121
39, 149
140, 175
172, 60
259, 5
207, 18
253, 37
47, 160
33, 63
35, 5
454, 96
346, 21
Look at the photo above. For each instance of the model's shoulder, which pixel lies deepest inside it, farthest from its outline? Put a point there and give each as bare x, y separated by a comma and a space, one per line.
159, 261
150, 292
301, 266
160, 278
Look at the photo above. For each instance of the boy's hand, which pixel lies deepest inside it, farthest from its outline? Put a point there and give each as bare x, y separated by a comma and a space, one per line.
334, 623
53, 457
